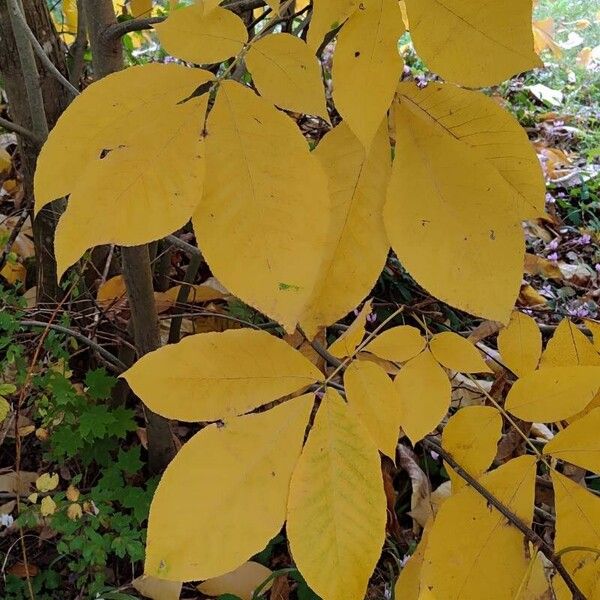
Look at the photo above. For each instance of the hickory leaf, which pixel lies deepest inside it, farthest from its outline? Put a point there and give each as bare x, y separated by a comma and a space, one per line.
277, 204
327, 15
520, 344
337, 507
212, 376
208, 516
473, 43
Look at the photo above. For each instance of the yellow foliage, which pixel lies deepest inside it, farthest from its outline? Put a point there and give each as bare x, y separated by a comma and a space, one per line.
241, 582
553, 393
425, 391
288, 74
349, 341
277, 206
215, 376
569, 347
520, 344
202, 34
157, 589
372, 398
337, 506
451, 216
367, 52
457, 353
472, 43
473, 552
357, 187
198, 531
577, 525
397, 344
328, 15
471, 436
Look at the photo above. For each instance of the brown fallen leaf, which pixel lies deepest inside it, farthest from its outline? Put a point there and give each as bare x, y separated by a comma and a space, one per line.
23, 571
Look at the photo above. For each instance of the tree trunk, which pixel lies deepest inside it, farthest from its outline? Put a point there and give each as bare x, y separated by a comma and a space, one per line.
56, 99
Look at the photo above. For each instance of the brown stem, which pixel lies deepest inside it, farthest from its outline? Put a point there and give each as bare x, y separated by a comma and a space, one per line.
529, 534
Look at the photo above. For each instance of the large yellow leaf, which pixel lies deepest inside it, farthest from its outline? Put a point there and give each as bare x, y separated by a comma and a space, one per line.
553, 394
569, 347
579, 443
372, 398
367, 52
337, 506
490, 132
425, 392
349, 341
264, 216
473, 43
471, 436
140, 8
357, 246
108, 115
473, 552
450, 218
288, 74
212, 376
224, 496
202, 34
520, 344
397, 344
327, 15
125, 199
457, 353
577, 524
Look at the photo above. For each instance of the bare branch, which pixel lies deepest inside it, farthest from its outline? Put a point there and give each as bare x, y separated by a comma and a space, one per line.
19, 130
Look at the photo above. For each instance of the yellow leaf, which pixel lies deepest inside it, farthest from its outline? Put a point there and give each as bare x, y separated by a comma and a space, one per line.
491, 133
520, 344
357, 247
108, 115
72, 493
487, 552
451, 216
5, 160
202, 35
543, 37
397, 344
471, 436
215, 376
337, 506
473, 43
409, 581
4, 408
456, 353
594, 327
277, 206
112, 290
46, 482
328, 15
123, 199
553, 394
372, 398
579, 443
140, 8
74, 512
13, 272
242, 582
349, 341
367, 52
47, 506
288, 74
425, 393
577, 524
569, 347
208, 516
157, 589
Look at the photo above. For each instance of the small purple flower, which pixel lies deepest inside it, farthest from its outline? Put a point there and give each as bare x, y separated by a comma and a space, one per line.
584, 240
597, 267
371, 318
553, 257
553, 245
434, 455
550, 199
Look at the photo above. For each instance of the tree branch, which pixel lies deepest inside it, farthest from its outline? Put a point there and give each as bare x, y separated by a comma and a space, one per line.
529, 534
18, 15
20, 130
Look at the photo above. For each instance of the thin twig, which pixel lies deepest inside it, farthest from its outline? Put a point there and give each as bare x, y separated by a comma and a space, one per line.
191, 250
322, 351
20, 130
37, 48
529, 534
